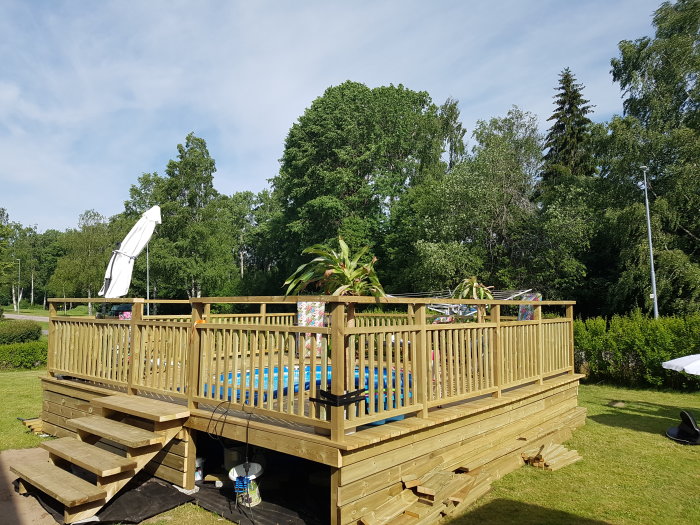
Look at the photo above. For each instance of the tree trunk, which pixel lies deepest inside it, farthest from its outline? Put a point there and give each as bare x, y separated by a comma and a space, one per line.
32, 292
89, 294
15, 303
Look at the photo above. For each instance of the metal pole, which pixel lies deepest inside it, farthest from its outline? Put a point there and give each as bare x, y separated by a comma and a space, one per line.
148, 283
651, 249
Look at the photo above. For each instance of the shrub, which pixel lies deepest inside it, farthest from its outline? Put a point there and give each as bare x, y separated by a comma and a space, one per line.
629, 350
2, 312
23, 355
19, 332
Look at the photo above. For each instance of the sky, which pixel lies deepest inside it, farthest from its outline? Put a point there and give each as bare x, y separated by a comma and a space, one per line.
94, 94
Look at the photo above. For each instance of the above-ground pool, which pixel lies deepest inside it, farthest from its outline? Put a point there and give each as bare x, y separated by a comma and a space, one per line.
241, 390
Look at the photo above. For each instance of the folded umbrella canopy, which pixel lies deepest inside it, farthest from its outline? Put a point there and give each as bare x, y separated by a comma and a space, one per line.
689, 364
121, 264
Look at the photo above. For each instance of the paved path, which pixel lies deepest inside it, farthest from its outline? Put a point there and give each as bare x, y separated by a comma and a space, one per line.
44, 318
16, 509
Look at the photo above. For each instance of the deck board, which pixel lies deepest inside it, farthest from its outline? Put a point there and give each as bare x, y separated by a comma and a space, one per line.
89, 457
144, 407
58, 483
121, 433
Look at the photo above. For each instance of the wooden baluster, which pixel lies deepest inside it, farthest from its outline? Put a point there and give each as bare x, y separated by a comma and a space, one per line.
497, 362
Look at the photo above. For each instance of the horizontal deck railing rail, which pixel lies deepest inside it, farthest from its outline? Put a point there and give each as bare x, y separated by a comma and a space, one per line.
390, 364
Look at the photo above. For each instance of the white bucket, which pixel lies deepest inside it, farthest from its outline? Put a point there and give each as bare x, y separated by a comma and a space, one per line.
251, 496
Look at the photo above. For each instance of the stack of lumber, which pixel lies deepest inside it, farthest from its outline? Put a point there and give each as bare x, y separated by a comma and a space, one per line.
34, 424
550, 457
432, 497
390, 481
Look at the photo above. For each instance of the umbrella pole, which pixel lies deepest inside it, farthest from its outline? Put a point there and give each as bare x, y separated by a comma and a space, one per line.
148, 278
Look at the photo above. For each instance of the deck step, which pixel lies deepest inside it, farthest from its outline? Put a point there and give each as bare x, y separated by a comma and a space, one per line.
58, 483
121, 433
144, 407
88, 456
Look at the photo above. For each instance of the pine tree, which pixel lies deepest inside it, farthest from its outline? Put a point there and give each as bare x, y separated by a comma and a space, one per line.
568, 140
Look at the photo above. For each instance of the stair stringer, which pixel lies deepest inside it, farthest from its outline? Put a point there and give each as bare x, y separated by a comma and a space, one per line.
114, 483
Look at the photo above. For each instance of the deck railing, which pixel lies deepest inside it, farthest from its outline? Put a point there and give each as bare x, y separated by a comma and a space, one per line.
393, 363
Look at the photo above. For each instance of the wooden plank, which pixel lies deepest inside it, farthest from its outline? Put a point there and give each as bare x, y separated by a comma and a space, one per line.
151, 409
89, 457
425, 443
122, 433
58, 483
471, 448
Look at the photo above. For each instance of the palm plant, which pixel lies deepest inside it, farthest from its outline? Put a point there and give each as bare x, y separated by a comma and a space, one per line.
470, 288
336, 273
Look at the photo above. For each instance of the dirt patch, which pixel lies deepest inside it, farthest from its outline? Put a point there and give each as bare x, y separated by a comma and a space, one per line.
14, 508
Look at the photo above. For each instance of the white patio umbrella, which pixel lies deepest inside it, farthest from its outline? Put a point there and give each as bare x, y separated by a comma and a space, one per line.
121, 264
689, 364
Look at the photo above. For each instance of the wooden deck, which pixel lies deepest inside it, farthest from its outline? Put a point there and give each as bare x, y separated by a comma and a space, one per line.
466, 395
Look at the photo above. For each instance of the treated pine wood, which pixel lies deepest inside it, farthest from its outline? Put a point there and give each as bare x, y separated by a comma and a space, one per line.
289, 441
424, 464
151, 409
58, 483
122, 433
89, 457
428, 444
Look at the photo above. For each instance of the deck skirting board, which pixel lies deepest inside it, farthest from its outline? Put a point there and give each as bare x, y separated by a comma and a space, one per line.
367, 467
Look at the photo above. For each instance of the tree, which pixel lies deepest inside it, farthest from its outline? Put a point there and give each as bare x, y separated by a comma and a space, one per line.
661, 130
659, 76
351, 157
80, 272
470, 221
568, 140
6, 263
182, 245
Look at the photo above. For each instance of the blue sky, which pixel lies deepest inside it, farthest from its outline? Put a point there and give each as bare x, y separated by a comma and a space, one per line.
93, 94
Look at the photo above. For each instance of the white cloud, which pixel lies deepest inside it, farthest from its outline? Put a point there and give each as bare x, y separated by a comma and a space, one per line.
93, 95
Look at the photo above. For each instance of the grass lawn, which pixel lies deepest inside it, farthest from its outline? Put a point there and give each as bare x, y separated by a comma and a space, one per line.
631, 473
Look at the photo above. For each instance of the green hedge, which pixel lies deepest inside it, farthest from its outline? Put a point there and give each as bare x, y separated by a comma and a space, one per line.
629, 350
23, 355
19, 331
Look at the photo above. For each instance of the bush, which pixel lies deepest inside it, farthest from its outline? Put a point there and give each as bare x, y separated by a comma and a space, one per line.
629, 350
19, 332
23, 355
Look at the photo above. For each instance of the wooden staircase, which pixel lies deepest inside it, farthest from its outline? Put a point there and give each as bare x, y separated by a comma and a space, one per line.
142, 426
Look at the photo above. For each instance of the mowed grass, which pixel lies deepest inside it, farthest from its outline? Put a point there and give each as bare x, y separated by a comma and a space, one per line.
630, 472
20, 395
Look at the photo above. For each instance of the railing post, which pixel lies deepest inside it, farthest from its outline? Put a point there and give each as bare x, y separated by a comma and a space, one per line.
497, 349
570, 320
135, 345
537, 315
422, 351
51, 356
207, 312
338, 374
198, 310
263, 313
